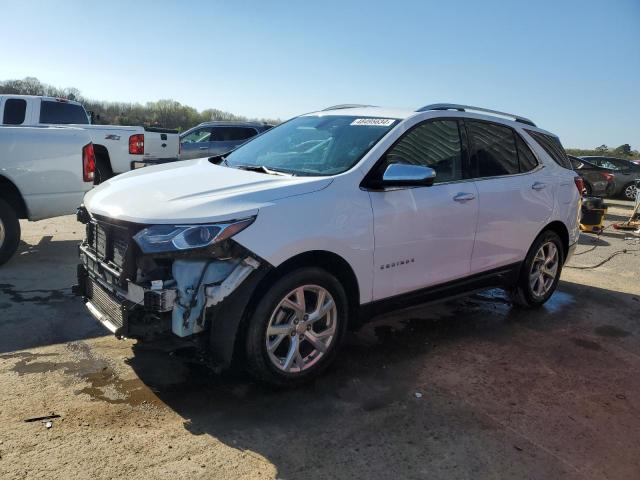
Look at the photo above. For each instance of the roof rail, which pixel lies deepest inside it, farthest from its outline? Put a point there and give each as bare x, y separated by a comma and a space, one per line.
346, 105
464, 108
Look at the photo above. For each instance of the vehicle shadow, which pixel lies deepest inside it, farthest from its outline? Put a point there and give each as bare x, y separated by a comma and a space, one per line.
590, 239
385, 409
37, 307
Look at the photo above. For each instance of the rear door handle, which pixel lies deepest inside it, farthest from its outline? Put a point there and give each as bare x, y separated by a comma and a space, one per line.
203, 148
539, 186
463, 197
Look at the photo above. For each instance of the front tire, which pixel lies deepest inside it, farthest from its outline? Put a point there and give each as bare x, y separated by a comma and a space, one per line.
9, 232
540, 272
296, 330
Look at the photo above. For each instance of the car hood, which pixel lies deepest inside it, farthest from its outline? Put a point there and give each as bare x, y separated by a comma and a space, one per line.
193, 192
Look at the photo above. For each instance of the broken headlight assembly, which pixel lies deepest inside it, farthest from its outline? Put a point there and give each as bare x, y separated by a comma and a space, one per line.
177, 238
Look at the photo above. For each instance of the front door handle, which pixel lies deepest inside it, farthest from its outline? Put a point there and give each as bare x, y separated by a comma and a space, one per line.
203, 148
463, 197
539, 186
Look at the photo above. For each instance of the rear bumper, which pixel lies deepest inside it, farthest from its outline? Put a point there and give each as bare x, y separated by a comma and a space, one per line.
148, 162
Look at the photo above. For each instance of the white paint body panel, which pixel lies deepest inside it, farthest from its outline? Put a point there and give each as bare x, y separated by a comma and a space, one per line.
422, 237
448, 240
45, 164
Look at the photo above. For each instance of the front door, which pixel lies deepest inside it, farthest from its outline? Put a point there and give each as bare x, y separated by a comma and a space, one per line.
195, 144
424, 235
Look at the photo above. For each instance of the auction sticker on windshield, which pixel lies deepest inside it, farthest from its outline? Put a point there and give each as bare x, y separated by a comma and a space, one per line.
375, 122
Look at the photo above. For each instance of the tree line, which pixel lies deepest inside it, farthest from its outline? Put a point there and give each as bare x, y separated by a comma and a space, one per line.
172, 114
623, 151
163, 113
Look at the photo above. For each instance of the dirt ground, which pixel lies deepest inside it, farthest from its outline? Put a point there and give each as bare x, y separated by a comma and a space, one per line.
467, 389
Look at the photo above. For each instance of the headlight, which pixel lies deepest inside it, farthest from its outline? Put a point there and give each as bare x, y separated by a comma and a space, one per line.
171, 238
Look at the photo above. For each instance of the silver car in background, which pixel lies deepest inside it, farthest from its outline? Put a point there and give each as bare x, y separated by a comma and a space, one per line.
216, 138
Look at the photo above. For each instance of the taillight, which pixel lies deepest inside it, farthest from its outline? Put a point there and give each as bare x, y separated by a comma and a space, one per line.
607, 176
136, 144
579, 184
88, 163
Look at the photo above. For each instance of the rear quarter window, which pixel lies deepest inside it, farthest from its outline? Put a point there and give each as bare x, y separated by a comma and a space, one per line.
14, 111
553, 147
62, 113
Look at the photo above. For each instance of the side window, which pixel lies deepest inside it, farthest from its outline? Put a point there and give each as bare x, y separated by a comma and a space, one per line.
240, 133
553, 147
14, 111
62, 113
433, 144
232, 134
526, 158
218, 134
494, 149
197, 136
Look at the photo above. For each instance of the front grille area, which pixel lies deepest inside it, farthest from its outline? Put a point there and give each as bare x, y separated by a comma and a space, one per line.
109, 242
104, 302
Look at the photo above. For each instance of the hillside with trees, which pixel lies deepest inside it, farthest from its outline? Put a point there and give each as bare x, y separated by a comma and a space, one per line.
162, 113
623, 151
172, 114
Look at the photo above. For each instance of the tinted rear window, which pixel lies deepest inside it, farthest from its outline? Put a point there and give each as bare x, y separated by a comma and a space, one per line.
62, 113
231, 134
553, 147
14, 111
495, 151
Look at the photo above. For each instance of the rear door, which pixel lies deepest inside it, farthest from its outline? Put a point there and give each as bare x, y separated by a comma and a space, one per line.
515, 195
195, 144
424, 235
227, 138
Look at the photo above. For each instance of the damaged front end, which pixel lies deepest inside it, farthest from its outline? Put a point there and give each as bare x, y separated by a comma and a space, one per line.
167, 281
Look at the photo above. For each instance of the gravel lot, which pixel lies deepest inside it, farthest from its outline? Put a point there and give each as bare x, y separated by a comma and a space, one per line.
467, 389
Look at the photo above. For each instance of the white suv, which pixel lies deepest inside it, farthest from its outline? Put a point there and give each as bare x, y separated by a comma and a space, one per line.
269, 254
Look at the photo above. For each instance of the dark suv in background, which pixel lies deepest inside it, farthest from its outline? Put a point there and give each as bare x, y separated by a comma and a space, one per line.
625, 172
215, 138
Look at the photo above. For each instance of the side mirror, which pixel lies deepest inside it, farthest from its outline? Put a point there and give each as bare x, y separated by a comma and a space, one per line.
405, 175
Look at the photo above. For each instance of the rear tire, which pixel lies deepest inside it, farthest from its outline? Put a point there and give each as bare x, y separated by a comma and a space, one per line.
296, 330
540, 272
103, 171
629, 191
9, 231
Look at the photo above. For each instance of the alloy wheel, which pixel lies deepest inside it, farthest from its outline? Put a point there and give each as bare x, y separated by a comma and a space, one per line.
544, 269
301, 329
630, 192
3, 233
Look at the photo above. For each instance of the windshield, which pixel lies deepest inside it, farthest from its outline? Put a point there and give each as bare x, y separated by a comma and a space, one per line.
313, 145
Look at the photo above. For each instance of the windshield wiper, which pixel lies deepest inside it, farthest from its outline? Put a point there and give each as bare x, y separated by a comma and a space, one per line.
263, 169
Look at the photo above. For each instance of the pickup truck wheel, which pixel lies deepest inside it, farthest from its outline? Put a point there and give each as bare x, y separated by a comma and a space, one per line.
540, 272
103, 171
9, 232
297, 327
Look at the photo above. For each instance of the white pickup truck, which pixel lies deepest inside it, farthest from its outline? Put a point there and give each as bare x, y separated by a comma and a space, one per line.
118, 149
44, 172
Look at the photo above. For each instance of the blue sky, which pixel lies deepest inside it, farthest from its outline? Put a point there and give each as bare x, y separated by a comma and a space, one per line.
571, 66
